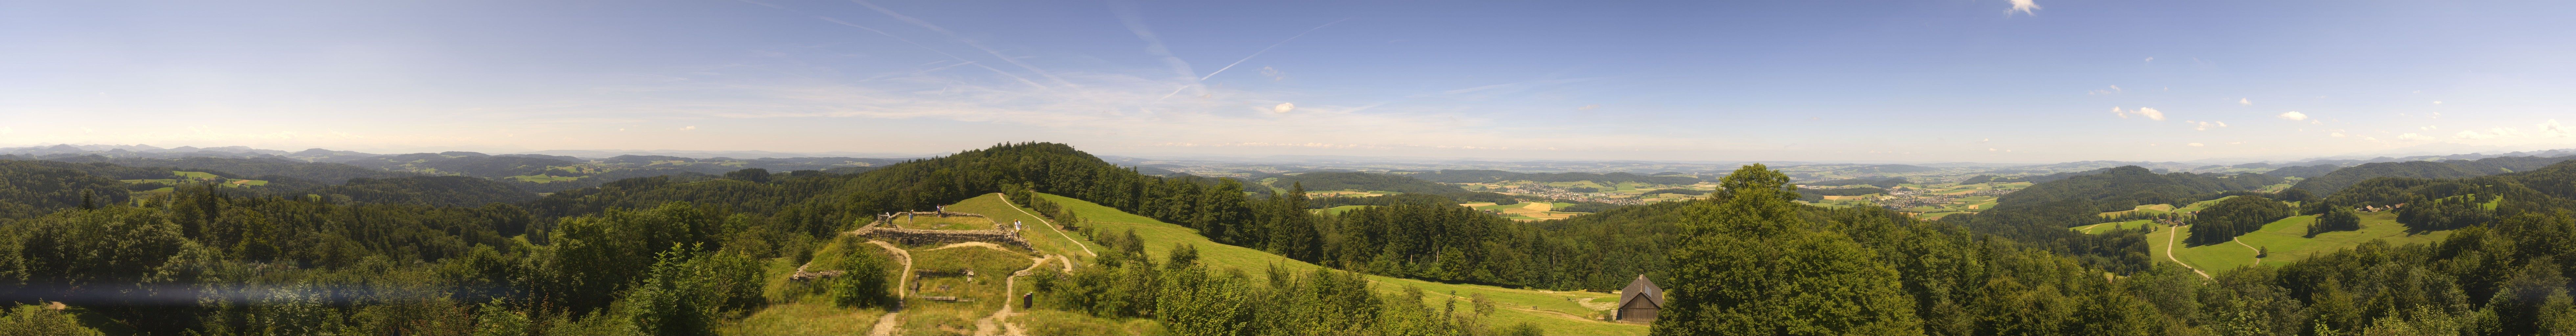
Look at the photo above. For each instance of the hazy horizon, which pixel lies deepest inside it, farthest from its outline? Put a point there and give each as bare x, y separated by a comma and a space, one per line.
1951, 81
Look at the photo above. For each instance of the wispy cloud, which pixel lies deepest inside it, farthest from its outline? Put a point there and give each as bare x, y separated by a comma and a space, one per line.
2292, 115
2551, 129
1283, 108
960, 39
2413, 136
1023, 80
2023, 6
2245, 101
2195, 144
1212, 74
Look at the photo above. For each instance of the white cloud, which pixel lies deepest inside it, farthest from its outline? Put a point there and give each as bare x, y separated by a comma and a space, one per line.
1283, 108
2335, 134
2151, 113
1990, 149
690, 128
2116, 111
6, 130
2023, 6
2245, 101
2195, 144
1588, 107
2491, 133
2413, 136
2204, 125
2437, 102
2293, 115
2428, 127
2548, 129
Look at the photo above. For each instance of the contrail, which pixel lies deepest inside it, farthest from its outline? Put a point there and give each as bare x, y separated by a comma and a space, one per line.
1264, 50
968, 42
952, 56
1153, 43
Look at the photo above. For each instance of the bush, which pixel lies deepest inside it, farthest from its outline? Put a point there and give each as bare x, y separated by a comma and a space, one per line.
863, 280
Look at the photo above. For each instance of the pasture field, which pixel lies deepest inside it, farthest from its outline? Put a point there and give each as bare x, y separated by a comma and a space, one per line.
942, 223
2286, 237
809, 317
1527, 211
1560, 313
1341, 209
2108, 227
1046, 238
2287, 241
543, 178
2153, 209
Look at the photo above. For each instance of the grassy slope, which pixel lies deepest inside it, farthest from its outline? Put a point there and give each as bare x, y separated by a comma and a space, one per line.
1044, 237
2107, 227
1161, 237
1346, 208
947, 223
2285, 238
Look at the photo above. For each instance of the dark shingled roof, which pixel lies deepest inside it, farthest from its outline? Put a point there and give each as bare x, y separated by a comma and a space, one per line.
1642, 288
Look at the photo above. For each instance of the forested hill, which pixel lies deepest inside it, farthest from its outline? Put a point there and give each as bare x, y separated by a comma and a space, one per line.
2041, 213
29, 188
1484, 176
1365, 181
2331, 182
456, 191
249, 168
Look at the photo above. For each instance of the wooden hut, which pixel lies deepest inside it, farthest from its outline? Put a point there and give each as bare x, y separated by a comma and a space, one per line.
1640, 301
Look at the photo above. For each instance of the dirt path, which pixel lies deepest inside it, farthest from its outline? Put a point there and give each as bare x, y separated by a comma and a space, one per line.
1010, 286
2169, 248
2258, 253
886, 324
1042, 221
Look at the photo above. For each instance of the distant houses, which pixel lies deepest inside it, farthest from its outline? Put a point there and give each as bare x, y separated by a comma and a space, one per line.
1640, 301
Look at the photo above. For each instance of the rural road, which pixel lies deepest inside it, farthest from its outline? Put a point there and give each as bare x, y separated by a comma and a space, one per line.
2169, 248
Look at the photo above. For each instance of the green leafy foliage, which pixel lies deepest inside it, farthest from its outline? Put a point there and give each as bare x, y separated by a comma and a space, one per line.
2233, 217
2341, 219
1752, 265
425, 190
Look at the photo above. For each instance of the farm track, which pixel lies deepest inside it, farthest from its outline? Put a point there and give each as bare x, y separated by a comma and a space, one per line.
886, 324
2169, 248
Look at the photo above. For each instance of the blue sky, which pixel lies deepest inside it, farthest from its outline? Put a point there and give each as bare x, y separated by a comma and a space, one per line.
1902, 81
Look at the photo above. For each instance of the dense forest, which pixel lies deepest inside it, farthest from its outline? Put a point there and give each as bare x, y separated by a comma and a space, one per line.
673, 255
2332, 182
1488, 176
